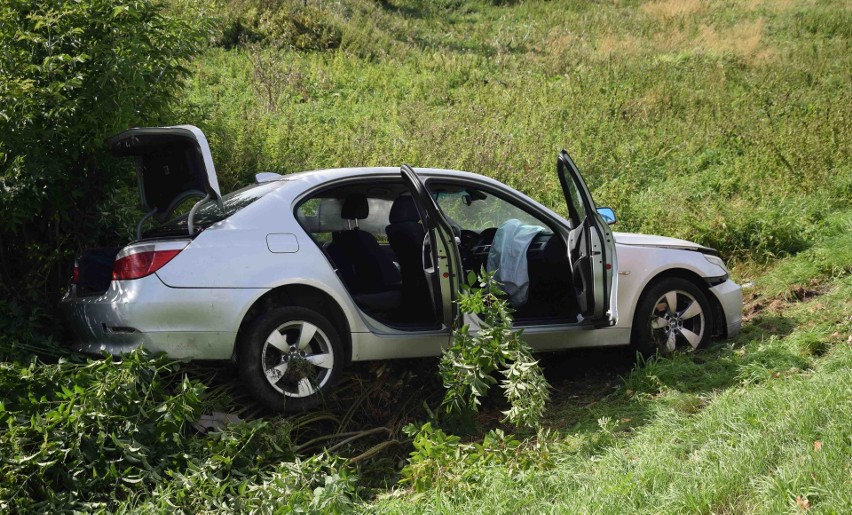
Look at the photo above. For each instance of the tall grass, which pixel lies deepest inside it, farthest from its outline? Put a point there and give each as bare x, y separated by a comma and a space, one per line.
723, 122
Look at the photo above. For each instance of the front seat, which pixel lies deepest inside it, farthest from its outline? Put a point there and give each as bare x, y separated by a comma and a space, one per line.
369, 274
405, 235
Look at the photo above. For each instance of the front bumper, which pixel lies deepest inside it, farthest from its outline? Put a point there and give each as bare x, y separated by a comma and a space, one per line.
730, 297
185, 323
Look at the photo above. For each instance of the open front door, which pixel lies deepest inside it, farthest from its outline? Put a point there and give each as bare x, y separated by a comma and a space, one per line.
591, 248
441, 259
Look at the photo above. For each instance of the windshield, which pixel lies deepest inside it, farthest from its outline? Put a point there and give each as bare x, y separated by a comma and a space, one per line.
476, 210
209, 212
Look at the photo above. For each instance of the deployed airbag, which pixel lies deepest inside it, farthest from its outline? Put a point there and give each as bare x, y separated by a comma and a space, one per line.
508, 257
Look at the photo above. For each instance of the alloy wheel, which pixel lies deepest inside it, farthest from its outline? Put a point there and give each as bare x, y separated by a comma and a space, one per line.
677, 321
297, 359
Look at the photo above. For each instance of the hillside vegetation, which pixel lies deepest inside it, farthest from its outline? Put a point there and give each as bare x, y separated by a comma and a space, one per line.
723, 122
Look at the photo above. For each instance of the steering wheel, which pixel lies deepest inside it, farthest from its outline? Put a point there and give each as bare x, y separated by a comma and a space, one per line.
486, 236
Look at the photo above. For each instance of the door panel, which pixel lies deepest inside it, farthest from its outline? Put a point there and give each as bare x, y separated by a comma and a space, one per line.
581, 270
441, 260
591, 247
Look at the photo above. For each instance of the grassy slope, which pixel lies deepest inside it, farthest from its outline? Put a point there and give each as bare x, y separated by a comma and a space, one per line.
734, 429
721, 122
724, 122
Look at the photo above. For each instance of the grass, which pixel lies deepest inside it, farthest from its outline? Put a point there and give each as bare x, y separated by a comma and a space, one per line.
755, 425
724, 122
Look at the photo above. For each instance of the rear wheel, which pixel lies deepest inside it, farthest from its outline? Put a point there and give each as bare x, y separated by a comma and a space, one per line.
290, 357
672, 315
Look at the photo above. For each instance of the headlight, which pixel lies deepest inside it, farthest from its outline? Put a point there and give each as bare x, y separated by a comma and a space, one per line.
716, 260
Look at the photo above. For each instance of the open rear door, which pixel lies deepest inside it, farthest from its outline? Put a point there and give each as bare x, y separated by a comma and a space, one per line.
441, 259
591, 247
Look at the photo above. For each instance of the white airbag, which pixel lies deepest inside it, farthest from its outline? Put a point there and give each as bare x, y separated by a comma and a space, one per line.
508, 257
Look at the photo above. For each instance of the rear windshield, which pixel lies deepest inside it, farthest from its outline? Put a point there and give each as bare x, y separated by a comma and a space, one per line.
209, 212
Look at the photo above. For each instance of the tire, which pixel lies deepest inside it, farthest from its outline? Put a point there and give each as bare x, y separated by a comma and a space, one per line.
659, 328
290, 357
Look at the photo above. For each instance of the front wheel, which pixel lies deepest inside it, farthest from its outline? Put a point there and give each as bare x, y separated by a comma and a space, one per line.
672, 315
290, 357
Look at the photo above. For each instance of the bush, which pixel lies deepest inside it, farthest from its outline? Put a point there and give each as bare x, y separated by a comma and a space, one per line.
72, 73
298, 27
118, 436
86, 435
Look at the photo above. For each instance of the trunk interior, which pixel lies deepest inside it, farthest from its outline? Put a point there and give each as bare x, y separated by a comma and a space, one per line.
95, 270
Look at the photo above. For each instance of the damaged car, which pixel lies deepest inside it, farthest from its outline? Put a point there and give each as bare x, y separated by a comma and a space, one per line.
296, 276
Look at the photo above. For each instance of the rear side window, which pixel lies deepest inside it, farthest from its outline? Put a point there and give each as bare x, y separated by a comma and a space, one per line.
209, 212
320, 217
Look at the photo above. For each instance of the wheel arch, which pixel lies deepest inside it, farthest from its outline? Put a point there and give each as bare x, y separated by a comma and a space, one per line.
301, 295
719, 327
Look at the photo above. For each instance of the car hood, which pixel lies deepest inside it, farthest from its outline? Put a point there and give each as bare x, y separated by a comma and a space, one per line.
650, 240
172, 165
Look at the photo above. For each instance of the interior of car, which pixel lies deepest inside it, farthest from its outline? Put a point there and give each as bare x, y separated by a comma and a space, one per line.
479, 215
373, 236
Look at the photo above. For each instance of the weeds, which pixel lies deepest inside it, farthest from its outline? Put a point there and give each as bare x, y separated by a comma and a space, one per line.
442, 462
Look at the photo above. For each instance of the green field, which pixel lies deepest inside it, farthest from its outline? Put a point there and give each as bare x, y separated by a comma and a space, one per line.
723, 122
727, 122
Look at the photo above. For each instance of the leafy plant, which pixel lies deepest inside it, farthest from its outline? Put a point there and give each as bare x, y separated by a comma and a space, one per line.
467, 367
86, 435
443, 461
119, 435
296, 26
71, 74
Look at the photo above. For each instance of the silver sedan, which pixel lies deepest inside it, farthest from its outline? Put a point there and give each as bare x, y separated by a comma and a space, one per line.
296, 276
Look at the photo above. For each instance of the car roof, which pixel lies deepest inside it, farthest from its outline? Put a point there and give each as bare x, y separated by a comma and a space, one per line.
317, 177
303, 181
332, 173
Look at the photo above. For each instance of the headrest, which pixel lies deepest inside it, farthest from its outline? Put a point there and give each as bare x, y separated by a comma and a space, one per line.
355, 207
404, 210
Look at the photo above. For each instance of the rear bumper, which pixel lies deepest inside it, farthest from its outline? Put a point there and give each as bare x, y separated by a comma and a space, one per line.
730, 297
185, 323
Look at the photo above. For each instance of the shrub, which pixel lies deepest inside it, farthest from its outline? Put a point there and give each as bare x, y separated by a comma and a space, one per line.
297, 26
118, 436
85, 435
72, 73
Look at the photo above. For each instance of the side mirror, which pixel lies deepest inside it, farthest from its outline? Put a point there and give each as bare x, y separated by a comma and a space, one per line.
608, 215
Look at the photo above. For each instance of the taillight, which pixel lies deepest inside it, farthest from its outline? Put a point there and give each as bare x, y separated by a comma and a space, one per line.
75, 275
141, 264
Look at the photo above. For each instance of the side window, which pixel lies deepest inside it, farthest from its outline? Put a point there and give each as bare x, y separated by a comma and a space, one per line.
321, 216
477, 210
310, 216
576, 208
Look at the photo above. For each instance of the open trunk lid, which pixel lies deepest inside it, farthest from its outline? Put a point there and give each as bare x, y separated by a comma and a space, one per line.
173, 164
